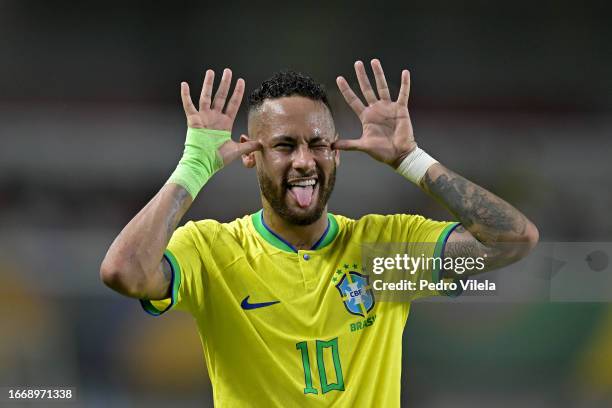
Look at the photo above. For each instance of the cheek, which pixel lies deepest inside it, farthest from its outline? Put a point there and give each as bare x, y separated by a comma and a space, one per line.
326, 157
276, 159
326, 162
273, 163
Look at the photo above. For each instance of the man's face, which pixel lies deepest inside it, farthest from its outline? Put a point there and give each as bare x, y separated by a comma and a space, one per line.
296, 168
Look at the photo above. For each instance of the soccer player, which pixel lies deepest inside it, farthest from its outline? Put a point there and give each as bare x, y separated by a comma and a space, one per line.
285, 313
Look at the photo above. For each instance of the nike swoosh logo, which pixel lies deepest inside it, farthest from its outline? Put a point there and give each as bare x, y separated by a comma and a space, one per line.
248, 306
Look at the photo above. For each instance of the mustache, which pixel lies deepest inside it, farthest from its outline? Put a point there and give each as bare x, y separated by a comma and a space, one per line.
318, 173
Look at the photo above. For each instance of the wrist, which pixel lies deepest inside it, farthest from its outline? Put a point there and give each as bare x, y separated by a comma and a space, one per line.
201, 159
415, 164
395, 164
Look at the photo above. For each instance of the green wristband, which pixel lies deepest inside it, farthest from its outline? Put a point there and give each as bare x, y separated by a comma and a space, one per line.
200, 159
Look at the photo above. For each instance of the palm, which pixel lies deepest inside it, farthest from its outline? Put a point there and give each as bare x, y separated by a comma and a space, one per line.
387, 131
213, 114
210, 120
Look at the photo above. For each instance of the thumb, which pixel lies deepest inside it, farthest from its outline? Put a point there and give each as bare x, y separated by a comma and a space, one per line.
347, 144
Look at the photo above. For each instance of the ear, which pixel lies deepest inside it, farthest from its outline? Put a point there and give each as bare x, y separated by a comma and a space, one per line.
248, 160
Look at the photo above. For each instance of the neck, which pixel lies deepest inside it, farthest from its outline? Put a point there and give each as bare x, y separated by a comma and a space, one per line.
299, 236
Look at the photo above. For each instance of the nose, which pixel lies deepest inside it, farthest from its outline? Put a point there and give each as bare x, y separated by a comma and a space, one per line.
303, 159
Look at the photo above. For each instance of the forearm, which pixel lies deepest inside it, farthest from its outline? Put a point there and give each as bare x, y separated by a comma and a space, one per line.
495, 229
132, 263
491, 220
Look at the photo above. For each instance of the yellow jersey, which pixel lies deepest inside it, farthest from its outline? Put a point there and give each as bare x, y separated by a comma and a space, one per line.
293, 328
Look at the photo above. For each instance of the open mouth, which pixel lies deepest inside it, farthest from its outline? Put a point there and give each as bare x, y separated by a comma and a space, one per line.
303, 190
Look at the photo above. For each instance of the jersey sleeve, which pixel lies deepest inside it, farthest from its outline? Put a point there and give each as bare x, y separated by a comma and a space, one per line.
186, 253
422, 236
433, 235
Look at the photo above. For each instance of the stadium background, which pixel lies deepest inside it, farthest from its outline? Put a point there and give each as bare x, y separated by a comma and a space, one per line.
514, 95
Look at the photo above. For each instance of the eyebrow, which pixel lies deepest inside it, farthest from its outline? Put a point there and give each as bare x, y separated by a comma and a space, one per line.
318, 139
282, 138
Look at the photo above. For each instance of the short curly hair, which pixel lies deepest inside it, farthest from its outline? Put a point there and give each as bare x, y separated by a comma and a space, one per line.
288, 83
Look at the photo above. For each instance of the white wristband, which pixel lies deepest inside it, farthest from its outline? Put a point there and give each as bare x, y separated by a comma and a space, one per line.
415, 165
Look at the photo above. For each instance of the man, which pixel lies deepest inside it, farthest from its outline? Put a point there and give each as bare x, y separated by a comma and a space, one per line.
284, 314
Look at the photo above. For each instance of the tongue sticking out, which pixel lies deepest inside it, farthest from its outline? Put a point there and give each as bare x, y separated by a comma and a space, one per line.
303, 195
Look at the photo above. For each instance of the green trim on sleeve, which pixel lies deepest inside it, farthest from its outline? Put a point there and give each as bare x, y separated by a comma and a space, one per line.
438, 253
175, 283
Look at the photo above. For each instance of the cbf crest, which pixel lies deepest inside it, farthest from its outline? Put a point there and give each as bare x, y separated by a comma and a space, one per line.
355, 290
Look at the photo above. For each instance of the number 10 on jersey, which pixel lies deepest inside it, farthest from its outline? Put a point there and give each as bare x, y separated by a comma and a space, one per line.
321, 346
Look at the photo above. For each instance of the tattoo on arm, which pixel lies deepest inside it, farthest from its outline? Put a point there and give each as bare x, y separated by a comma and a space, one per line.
464, 245
180, 201
486, 216
464, 248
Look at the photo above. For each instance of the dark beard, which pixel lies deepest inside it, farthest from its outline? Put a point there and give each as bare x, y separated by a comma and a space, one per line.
276, 197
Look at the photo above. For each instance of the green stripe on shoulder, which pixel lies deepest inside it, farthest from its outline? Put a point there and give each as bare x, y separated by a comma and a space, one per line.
175, 283
439, 253
177, 275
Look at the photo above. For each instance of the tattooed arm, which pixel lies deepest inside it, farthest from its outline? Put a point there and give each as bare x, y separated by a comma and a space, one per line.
134, 264
490, 227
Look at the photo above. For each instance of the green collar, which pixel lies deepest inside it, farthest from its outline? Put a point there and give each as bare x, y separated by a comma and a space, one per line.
277, 241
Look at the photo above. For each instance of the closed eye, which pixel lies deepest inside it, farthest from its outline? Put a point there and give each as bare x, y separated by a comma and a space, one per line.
283, 146
319, 143
320, 146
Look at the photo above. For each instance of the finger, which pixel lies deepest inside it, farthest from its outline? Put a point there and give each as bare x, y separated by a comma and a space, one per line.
234, 103
186, 98
223, 90
248, 147
364, 83
381, 82
349, 96
347, 144
404, 91
206, 94
231, 150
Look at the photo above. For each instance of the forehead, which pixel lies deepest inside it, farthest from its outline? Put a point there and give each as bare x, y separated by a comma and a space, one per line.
294, 116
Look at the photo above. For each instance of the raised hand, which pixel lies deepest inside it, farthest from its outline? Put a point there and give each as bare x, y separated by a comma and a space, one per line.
387, 131
212, 115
